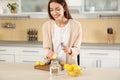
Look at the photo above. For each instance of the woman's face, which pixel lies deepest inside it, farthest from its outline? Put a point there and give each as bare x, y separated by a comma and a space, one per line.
56, 11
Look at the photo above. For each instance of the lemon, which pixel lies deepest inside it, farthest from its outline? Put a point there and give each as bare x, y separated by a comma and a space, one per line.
37, 63
69, 68
42, 63
62, 63
73, 69
54, 56
78, 72
72, 73
66, 66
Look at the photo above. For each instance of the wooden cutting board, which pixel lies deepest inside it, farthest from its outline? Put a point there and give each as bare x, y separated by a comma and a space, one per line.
44, 67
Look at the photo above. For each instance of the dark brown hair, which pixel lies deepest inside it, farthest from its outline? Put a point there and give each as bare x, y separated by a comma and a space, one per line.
64, 4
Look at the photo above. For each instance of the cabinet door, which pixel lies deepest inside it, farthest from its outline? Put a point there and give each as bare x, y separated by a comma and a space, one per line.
101, 6
30, 54
87, 60
6, 58
110, 60
6, 50
4, 9
74, 2
31, 6
6, 54
28, 58
99, 58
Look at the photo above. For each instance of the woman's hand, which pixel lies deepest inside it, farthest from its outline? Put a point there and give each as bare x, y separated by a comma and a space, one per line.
67, 50
49, 55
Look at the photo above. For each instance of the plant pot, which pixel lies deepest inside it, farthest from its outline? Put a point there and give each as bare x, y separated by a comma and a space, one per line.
13, 11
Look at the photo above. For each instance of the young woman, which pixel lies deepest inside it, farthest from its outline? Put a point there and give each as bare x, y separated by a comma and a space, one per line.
61, 34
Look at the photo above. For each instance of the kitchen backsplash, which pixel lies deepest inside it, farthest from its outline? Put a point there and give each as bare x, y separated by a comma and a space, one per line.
94, 29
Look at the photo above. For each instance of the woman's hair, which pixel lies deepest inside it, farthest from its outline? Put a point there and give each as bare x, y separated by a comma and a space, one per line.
64, 4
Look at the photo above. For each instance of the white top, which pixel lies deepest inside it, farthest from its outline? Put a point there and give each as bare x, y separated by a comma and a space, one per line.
60, 35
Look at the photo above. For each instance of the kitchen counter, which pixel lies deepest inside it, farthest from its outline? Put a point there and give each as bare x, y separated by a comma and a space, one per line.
101, 46
22, 71
39, 44
21, 43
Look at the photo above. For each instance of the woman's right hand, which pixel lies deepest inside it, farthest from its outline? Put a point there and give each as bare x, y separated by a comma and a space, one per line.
49, 55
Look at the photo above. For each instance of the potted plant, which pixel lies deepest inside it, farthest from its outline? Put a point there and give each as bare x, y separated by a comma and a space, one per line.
13, 7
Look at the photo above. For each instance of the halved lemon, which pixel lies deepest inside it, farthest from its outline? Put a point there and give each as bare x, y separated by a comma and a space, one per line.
54, 56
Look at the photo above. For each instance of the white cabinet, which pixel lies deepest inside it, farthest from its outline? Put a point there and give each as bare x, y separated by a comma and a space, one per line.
21, 54
101, 6
31, 6
25, 8
74, 7
100, 58
74, 2
6, 58
34, 9
29, 54
3, 5
6, 54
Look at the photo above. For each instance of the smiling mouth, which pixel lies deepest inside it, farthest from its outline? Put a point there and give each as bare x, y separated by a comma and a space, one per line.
55, 16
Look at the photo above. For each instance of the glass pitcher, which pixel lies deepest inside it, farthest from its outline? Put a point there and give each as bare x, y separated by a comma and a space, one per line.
55, 67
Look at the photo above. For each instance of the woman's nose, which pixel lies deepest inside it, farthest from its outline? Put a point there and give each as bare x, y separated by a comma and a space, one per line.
54, 12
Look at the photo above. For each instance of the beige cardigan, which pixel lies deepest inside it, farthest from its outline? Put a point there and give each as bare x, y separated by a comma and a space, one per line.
74, 41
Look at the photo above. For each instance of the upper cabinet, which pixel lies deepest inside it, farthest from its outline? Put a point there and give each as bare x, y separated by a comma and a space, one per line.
33, 6
74, 2
9, 6
74, 7
23, 8
101, 6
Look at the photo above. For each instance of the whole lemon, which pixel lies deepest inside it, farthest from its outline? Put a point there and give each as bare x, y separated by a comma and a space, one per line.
42, 63
66, 66
37, 63
73, 69
72, 73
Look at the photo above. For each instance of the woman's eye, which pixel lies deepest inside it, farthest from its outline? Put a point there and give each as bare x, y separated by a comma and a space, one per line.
57, 9
51, 10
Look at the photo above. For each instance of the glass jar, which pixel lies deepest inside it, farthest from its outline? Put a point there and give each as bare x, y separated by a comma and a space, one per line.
55, 67
110, 36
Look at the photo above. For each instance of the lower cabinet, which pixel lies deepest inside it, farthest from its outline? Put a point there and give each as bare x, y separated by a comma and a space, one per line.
27, 58
89, 57
7, 58
29, 54
21, 54
100, 58
7, 54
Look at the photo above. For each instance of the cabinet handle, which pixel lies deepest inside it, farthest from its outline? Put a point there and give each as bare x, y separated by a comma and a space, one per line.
98, 63
98, 53
27, 61
30, 51
2, 60
2, 50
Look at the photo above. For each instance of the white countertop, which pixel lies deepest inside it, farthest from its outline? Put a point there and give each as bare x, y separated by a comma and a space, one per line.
22, 71
39, 44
